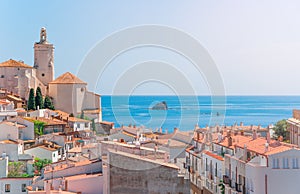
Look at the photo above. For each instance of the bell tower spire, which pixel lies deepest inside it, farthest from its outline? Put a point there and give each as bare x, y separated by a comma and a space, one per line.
43, 35
44, 58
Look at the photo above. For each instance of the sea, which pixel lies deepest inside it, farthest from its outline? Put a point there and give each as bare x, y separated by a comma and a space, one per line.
185, 112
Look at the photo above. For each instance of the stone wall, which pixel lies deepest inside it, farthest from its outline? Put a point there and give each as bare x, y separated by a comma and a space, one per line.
130, 175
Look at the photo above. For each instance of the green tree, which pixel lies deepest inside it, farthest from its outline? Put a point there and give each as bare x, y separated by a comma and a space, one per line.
39, 164
48, 103
31, 100
82, 115
39, 102
39, 128
93, 125
222, 187
15, 169
280, 129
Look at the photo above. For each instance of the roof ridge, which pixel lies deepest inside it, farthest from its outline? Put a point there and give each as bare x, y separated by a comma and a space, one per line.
14, 63
67, 78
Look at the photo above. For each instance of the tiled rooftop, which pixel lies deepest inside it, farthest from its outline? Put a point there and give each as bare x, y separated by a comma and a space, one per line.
13, 63
47, 121
67, 78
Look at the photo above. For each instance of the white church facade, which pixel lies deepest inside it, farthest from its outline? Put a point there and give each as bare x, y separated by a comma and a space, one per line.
68, 92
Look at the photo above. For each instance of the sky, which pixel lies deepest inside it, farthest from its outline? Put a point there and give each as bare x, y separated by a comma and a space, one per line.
253, 43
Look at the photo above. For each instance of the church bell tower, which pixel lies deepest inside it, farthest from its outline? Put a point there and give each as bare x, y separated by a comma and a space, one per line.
44, 59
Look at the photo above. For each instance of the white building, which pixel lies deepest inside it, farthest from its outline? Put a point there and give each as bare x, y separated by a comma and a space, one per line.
78, 124
14, 185
44, 151
12, 149
262, 166
70, 95
18, 129
7, 110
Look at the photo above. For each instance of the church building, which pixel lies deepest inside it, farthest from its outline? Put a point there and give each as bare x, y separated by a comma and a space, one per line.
67, 91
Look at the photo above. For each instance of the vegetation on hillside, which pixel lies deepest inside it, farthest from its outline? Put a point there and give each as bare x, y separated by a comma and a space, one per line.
39, 164
36, 101
31, 100
16, 170
39, 127
39, 102
48, 103
280, 130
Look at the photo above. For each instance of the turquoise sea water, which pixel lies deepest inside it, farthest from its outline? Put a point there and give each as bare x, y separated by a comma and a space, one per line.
186, 111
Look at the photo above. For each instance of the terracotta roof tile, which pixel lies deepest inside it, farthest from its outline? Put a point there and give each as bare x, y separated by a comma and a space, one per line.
13, 63
14, 124
67, 78
214, 155
45, 120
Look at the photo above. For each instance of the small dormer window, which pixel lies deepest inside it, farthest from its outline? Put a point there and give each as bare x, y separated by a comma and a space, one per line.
43, 74
2, 76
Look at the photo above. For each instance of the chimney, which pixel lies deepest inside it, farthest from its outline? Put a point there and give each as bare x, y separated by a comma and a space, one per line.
219, 137
218, 128
166, 157
251, 127
258, 127
235, 132
268, 137
160, 130
229, 141
228, 133
266, 147
175, 130
48, 187
210, 137
245, 152
242, 132
254, 135
198, 135
166, 130
241, 124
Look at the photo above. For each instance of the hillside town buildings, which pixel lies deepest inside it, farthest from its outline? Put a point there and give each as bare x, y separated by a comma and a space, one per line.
54, 151
68, 92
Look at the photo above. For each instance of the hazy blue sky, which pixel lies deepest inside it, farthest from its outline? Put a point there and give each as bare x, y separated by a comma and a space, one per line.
255, 44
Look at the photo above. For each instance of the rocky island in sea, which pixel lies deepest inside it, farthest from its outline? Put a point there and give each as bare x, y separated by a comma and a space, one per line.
160, 106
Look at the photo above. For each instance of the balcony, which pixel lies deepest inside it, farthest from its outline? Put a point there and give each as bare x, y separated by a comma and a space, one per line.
226, 180
238, 187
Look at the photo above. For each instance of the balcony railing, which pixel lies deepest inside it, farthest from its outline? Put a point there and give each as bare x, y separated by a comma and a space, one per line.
238, 187
226, 180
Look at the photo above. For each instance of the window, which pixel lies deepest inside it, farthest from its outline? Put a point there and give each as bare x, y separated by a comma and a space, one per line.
216, 169
295, 163
275, 163
7, 188
2, 76
23, 188
285, 163
78, 125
